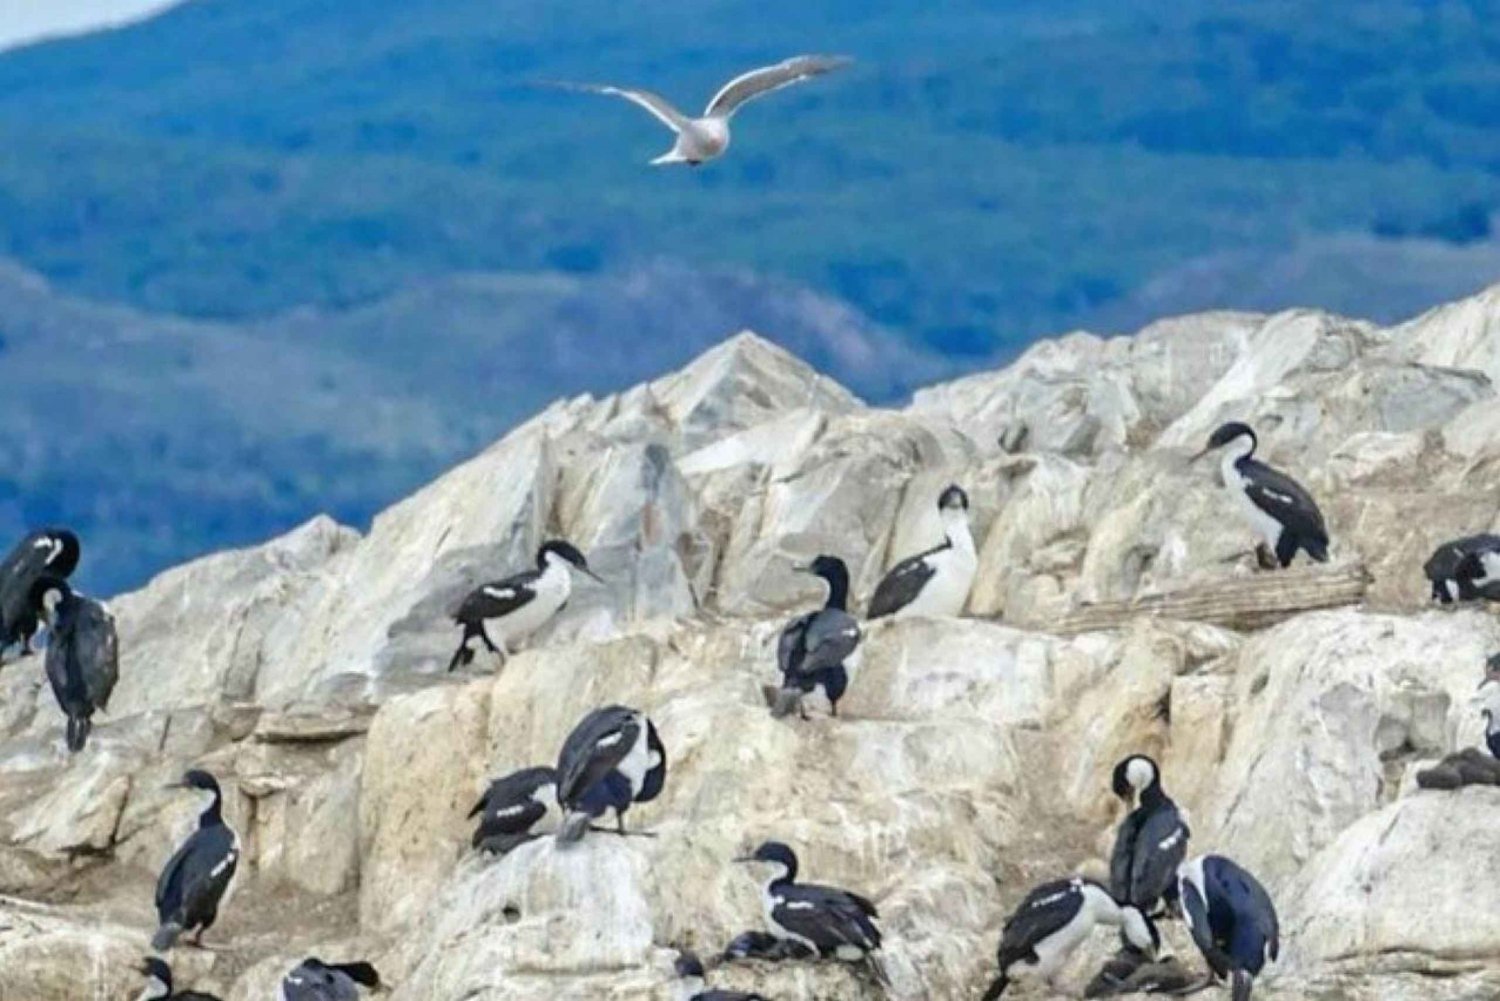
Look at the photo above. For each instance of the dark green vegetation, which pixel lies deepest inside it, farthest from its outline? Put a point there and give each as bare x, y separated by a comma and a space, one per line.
986, 173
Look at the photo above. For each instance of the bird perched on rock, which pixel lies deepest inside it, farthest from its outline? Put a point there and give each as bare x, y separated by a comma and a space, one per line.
195, 879
501, 612
512, 806
818, 651
1472, 766
50, 552
937, 581
836, 924
707, 137
1131, 972
1056, 918
764, 945
314, 980
1278, 509
1151, 841
159, 984
1466, 569
1232, 920
83, 654
612, 759
691, 985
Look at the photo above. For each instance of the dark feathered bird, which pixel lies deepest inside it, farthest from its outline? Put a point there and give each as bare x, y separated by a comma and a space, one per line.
511, 807
50, 552
690, 970
501, 612
1232, 920
83, 655
195, 879
937, 581
159, 984
1152, 840
1465, 569
835, 923
1056, 918
314, 980
612, 759
1277, 507
819, 651
764, 945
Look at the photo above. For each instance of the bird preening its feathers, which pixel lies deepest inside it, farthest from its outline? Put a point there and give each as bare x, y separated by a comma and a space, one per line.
613, 758
707, 136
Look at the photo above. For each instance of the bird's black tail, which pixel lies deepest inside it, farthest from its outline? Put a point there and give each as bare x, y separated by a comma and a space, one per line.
573, 828
166, 936
1242, 983
78, 732
1316, 549
997, 988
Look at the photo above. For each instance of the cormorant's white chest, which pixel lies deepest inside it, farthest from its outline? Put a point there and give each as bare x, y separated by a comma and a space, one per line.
946, 592
1265, 526
552, 589
1053, 951
638, 761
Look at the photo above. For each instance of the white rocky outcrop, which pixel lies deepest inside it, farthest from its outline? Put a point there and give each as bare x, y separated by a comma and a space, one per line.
1115, 611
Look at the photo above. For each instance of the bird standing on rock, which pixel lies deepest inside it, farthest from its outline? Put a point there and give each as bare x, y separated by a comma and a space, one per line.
707, 137
612, 759
937, 581
194, 882
52, 552
1277, 507
503, 611
315, 980
1232, 920
511, 807
1054, 920
1465, 569
1151, 842
836, 924
818, 651
83, 655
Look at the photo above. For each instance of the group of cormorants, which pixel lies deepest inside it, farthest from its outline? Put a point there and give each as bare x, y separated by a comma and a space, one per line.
614, 757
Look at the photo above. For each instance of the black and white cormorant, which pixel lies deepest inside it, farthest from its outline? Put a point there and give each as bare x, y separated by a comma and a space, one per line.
764, 945
1152, 840
83, 654
612, 759
195, 879
499, 613
836, 924
512, 806
1465, 569
1488, 701
1277, 507
819, 651
1231, 918
314, 980
1055, 919
159, 984
50, 552
935, 582
691, 986
1471, 766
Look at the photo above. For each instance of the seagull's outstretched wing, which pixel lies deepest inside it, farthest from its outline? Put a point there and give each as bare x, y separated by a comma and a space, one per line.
768, 78
654, 103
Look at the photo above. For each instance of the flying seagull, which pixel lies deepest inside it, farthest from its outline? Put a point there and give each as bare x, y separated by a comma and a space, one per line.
707, 137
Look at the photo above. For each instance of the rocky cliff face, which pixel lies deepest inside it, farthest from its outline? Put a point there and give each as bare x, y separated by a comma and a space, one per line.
1116, 610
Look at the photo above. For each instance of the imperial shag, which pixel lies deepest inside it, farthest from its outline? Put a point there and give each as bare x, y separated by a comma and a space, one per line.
935, 582
1231, 918
1151, 842
51, 552
504, 611
314, 980
819, 651
836, 924
159, 984
1465, 569
1278, 509
195, 879
1054, 920
511, 807
612, 759
83, 655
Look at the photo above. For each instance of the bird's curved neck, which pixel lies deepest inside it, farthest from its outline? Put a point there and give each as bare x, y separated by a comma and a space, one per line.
1104, 907
786, 877
1153, 795
213, 815
838, 589
956, 529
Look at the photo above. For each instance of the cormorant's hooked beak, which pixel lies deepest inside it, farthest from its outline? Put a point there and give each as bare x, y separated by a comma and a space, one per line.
802, 568
597, 579
1200, 454
143, 970
742, 859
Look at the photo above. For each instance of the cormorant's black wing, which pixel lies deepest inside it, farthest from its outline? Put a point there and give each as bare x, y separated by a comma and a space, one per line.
1160, 846
1045, 909
830, 638
497, 598
23, 566
828, 917
96, 645
1284, 499
1195, 912
1453, 558
509, 805
1257, 933
1122, 860
595, 748
903, 583
197, 875
791, 648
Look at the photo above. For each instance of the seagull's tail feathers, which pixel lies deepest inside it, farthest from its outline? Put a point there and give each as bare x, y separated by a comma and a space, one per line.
166, 936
